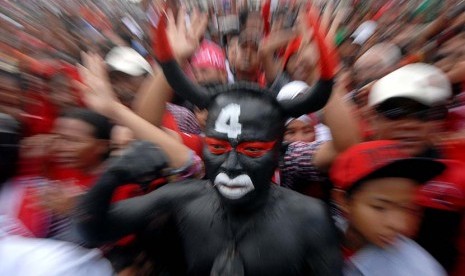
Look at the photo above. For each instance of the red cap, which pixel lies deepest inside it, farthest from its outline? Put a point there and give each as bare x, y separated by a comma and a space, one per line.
447, 191
379, 159
209, 55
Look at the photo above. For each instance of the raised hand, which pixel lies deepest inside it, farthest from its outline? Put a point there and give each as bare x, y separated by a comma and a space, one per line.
328, 59
169, 63
96, 89
266, 11
141, 163
182, 40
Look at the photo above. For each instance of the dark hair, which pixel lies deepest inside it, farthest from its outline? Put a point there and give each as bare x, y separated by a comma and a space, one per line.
10, 136
243, 15
354, 188
439, 232
102, 125
244, 87
15, 76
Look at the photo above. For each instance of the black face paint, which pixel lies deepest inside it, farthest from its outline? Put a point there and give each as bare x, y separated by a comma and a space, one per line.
243, 132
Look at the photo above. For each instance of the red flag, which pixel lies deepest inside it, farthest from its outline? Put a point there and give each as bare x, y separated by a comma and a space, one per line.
266, 11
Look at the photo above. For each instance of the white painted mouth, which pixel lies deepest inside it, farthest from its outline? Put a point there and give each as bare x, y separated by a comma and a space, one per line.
234, 188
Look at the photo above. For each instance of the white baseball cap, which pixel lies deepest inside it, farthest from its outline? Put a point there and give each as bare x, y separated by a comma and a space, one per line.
289, 92
292, 90
128, 61
421, 82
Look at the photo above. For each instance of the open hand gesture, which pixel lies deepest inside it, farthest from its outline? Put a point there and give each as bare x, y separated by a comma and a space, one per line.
96, 89
183, 40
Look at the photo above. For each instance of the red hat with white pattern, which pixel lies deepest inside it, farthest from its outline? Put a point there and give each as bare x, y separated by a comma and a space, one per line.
380, 159
209, 55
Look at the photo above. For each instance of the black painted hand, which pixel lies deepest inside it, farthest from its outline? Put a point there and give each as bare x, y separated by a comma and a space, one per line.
141, 163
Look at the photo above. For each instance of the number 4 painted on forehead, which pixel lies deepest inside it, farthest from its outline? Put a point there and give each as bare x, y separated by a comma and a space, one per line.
228, 121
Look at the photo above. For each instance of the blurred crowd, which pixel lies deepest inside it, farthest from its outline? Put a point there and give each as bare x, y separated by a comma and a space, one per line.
80, 81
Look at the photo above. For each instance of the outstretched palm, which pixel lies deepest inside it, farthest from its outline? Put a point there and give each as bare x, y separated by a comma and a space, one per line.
184, 41
96, 89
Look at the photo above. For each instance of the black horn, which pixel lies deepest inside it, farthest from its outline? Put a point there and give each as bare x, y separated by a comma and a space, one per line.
184, 87
176, 78
315, 98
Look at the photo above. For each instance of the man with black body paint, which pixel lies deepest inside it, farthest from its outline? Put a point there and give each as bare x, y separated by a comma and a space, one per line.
236, 222
240, 222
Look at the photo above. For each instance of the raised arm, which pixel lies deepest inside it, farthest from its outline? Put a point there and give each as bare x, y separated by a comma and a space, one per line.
317, 96
99, 221
345, 131
152, 97
156, 92
99, 96
275, 40
457, 73
337, 114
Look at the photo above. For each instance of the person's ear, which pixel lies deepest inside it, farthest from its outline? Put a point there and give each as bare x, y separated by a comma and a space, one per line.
103, 147
372, 118
340, 198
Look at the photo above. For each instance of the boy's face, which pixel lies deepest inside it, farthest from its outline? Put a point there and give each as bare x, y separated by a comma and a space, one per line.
254, 22
125, 86
301, 65
247, 57
382, 209
413, 134
76, 145
299, 131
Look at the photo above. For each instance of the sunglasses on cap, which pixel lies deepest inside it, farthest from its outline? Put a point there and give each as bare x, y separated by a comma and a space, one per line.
421, 114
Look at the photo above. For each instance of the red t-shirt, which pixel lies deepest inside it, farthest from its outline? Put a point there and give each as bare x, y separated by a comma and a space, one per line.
192, 141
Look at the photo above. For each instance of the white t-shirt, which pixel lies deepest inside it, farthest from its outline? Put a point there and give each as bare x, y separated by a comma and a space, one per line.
43, 257
404, 258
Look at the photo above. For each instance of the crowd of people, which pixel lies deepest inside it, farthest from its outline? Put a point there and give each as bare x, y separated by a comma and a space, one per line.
314, 138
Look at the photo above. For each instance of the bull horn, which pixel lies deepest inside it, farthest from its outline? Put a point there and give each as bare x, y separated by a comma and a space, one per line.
176, 78
315, 98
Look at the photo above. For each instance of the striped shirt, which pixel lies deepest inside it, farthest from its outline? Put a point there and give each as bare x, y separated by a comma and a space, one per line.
185, 119
298, 164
